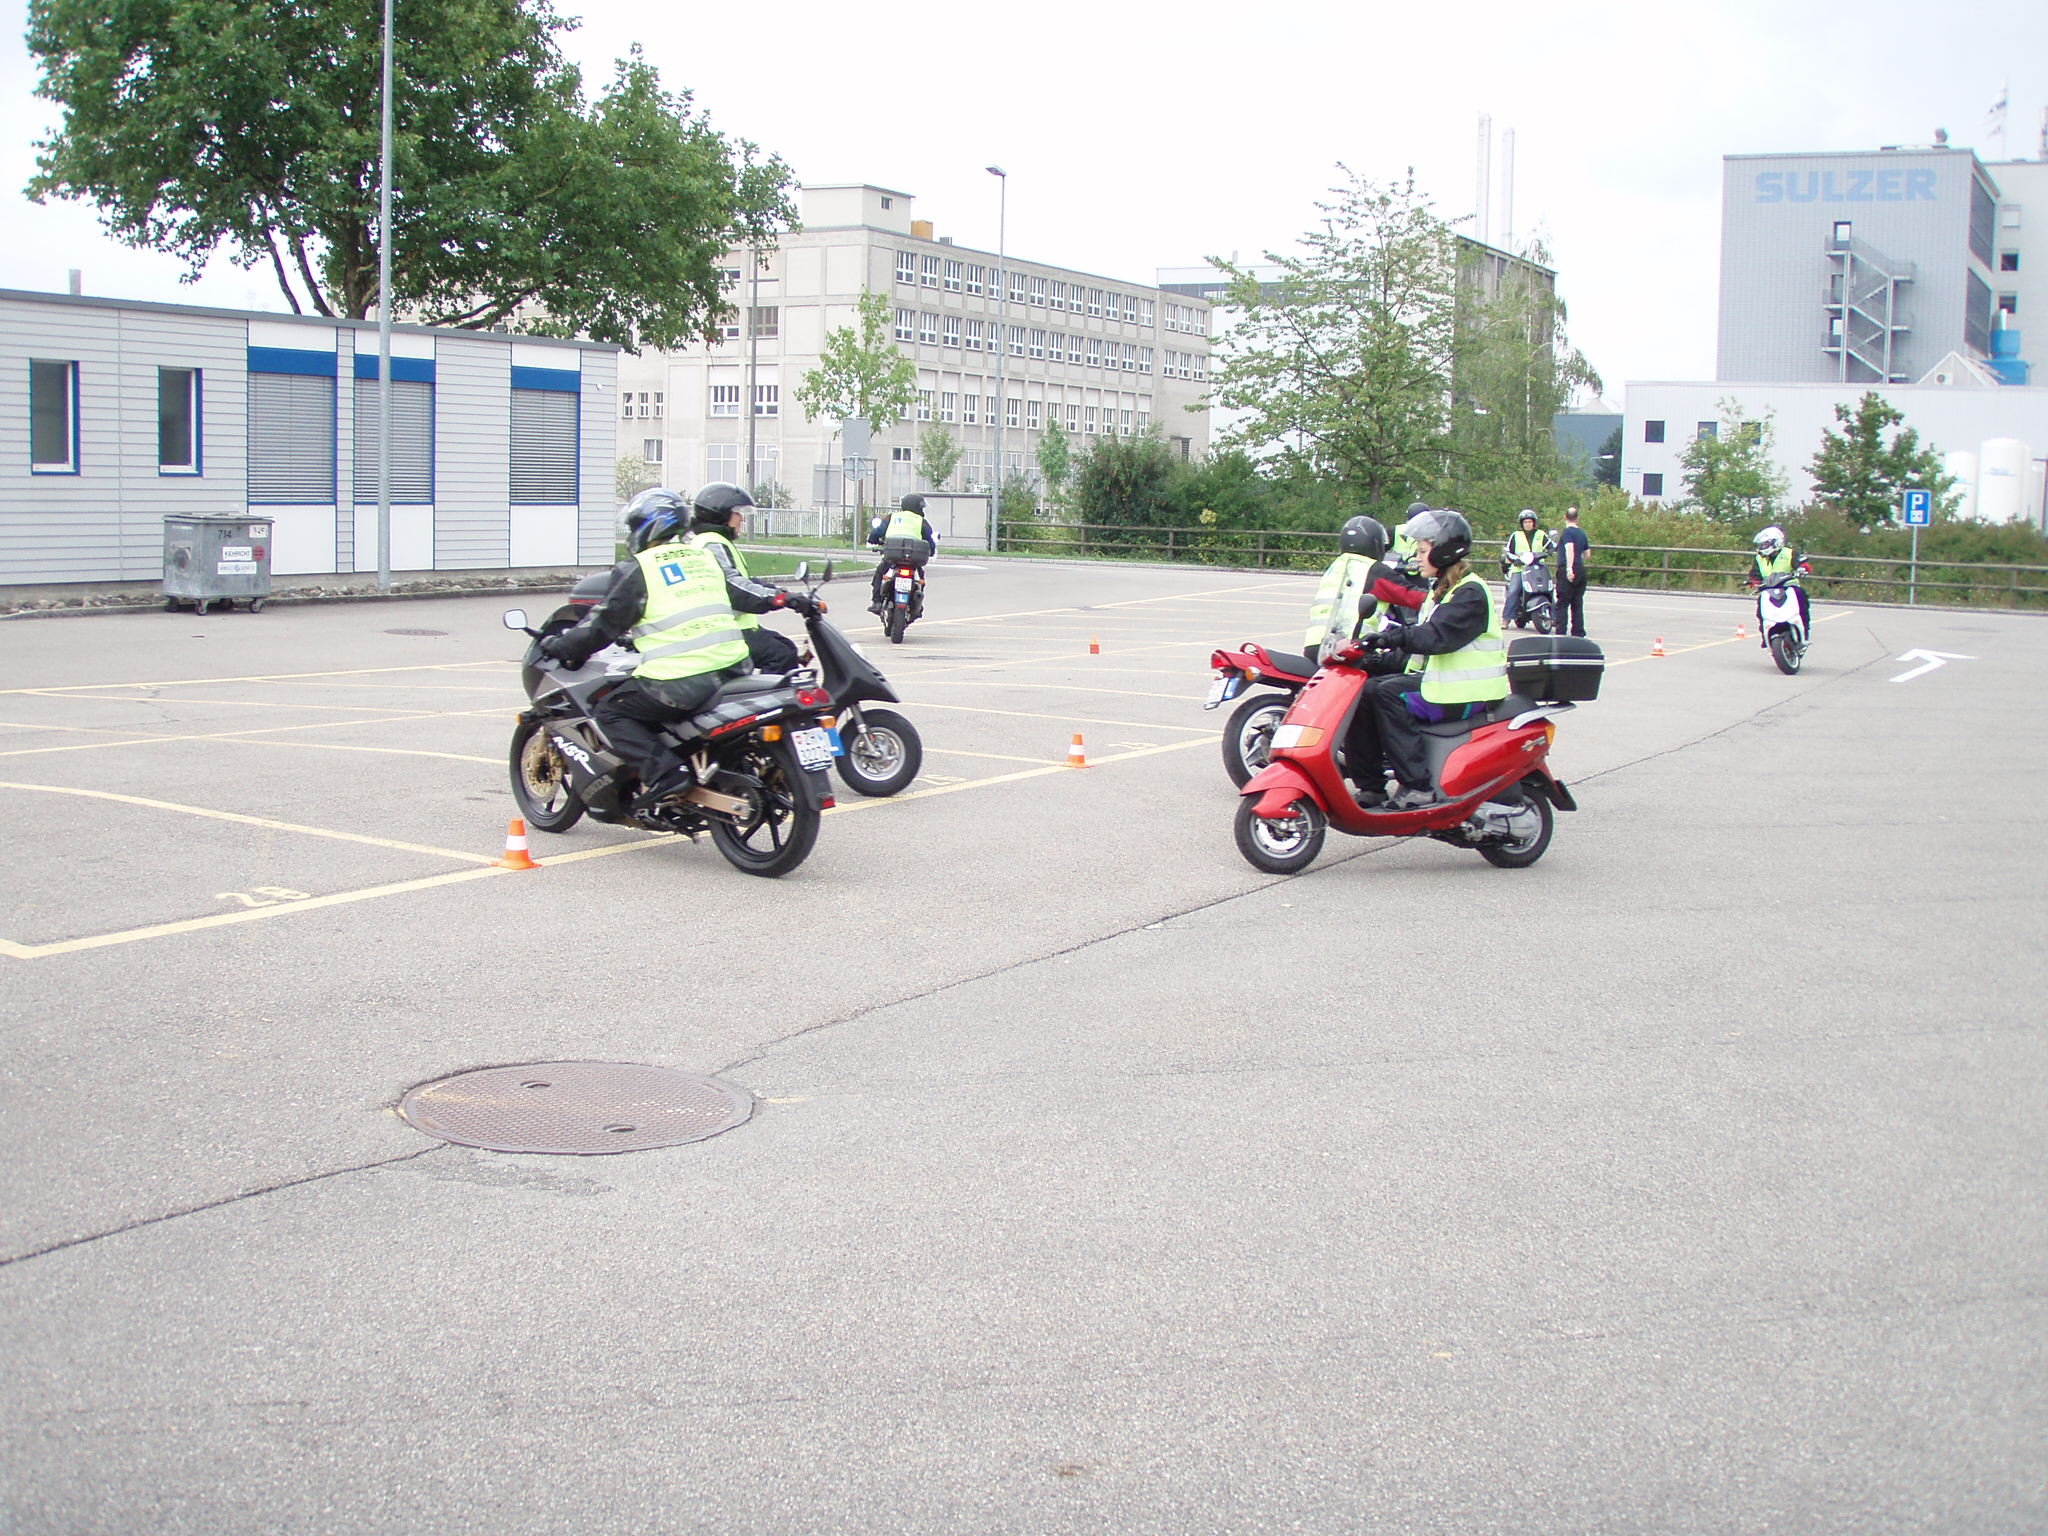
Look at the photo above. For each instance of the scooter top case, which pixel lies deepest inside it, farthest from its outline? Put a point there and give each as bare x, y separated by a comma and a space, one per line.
1556, 669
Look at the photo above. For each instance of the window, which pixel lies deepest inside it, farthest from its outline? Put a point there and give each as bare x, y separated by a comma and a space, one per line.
177, 421
722, 462
1016, 341
1010, 411
657, 403
1705, 430
1126, 422
1017, 287
950, 326
952, 275
543, 447
906, 324
725, 399
2009, 216
765, 322
975, 275
1144, 422
1038, 292
53, 418
1038, 343
1088, 420
1653, 431
1073, 417
2009, 303
729, 328
1094, 351
969, 408
924, 405
888, 202
728, 277
1094, 301
767, 399
1130, 309
1144, 311
650, 449
1031, 414
906, 267
949, 406
988, 409
974, 335
412, 440
1144, 359
1129, 354
1056, 295
2008, 261
928, 329
1201, 365
1056, 347
626, 398
291, 437
1653, 485
931, 272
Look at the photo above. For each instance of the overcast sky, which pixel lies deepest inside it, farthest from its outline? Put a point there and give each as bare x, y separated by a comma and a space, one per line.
1141, 136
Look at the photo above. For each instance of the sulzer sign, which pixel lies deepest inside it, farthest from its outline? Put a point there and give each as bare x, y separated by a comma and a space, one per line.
1903, 185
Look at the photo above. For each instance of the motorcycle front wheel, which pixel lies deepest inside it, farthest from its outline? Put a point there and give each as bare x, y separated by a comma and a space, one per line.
540, 780
1281, 846
1786, 650
1542, 621
895, 620
1248, 738
883, 754
780, 825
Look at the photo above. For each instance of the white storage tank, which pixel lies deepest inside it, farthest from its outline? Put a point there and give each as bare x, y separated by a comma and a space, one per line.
2002, 480
1960, 465
2037, 494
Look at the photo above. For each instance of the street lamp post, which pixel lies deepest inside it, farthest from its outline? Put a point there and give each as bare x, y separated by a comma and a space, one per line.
384, 327
995, 506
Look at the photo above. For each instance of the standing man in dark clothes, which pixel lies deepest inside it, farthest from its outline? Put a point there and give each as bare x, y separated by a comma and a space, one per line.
1573, 547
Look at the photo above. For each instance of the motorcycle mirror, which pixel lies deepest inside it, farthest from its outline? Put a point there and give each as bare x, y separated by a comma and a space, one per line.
803, 570
515, 618
828, 572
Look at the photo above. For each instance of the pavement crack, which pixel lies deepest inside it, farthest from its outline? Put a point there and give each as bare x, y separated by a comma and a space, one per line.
212, 1205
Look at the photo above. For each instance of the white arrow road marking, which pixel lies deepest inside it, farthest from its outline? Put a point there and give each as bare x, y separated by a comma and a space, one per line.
1928, 660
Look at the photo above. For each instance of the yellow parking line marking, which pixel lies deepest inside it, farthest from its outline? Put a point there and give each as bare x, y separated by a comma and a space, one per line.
267, 677
249, 731
1708, 645
1001, 757
1131, 693
398, 710
247, 821
865, 803
336, 746
1026, 714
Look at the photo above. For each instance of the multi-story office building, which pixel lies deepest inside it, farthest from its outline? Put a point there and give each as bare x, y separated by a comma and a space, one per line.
1099, 356
1871, 267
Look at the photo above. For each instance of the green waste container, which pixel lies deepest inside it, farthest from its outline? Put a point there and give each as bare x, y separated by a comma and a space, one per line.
216, 562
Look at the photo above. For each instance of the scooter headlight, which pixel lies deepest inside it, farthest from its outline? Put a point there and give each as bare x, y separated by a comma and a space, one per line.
1297, 736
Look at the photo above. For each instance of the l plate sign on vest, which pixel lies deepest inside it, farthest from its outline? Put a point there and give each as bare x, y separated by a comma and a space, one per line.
672, 574
1919, 508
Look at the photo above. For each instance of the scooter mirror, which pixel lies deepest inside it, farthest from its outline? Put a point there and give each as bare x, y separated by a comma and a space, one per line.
515, 618
828, 572
803, 570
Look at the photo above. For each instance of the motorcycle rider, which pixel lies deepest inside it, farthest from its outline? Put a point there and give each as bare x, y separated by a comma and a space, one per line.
1454, 657
905, 537
1343, 597
681, 607
1522, 549
717, 515
1774, 558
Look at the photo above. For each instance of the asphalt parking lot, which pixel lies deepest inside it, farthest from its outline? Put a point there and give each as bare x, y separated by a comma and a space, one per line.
1689, 1180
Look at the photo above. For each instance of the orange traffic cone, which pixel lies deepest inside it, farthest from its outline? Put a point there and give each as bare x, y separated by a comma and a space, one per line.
1740, 632
1077, 756
516, 856
1658, 648
1094, 646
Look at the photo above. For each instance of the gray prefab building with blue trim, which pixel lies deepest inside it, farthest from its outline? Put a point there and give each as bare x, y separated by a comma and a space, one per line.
114, 415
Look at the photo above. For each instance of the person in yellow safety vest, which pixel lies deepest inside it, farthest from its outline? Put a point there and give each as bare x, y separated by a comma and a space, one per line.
681, 608
1455, 658
1524, 546
905, 537
718, 514
1775, 557
1344, 599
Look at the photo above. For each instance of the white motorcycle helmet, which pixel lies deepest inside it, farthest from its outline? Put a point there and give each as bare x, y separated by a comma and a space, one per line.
1770, 540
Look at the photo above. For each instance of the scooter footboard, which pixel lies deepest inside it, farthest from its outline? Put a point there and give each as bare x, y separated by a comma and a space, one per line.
1277, 786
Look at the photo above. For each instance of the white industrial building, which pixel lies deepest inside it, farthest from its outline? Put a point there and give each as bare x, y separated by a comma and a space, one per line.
1100, 356
114, 415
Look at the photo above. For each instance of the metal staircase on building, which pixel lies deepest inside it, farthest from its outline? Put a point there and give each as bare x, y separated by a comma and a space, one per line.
1867, 319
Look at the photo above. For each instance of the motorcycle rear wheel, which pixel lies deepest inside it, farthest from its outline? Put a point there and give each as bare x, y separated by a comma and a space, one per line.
1786, 650
1521, 855
1281, 846
895, 620
882, 756
1248, 738
782, 824
540, 780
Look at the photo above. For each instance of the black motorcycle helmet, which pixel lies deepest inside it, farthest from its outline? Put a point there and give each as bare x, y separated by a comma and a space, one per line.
653, 517
1449, 535
1363, 536
913, 503
1528, 520
714, 504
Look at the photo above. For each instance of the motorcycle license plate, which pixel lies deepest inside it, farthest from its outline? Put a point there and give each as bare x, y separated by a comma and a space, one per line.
1223, 689
903, 583
813, 747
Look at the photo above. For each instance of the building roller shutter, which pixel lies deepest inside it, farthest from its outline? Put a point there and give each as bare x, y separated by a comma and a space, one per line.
291, 438
412, 440
543, 447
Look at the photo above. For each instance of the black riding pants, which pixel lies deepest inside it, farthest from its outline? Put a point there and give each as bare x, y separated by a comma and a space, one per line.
771, 651
1401, 710
632, 715
1571, 608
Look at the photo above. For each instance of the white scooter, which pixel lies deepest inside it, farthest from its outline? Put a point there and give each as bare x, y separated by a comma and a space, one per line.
1778, 624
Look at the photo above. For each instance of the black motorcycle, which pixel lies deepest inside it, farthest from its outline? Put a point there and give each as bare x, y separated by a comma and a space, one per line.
882, 751
757, 753
902, 600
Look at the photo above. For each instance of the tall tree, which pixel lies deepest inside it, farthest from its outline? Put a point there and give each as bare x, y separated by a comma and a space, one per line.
1607, 462
1055, 455
1860, 474
1343, 366
937, 456
1730, 473
860, 373
253, 126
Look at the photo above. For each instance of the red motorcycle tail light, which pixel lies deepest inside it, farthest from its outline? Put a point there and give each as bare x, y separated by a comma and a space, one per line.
811, 698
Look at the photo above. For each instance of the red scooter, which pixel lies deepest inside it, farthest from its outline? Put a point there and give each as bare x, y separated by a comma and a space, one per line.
1493, 769
1250, 731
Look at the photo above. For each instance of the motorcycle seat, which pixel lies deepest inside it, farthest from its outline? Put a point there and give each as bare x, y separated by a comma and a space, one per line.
752, 682
1509, 707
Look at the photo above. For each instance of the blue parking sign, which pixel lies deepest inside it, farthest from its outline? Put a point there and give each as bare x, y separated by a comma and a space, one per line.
1919, 508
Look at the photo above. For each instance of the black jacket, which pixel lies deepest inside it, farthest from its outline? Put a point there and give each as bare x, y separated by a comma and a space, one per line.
1458, 620
625, 600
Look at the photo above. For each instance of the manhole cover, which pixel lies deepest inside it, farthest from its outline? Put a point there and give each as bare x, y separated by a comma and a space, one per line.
415, 631
575, 1107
